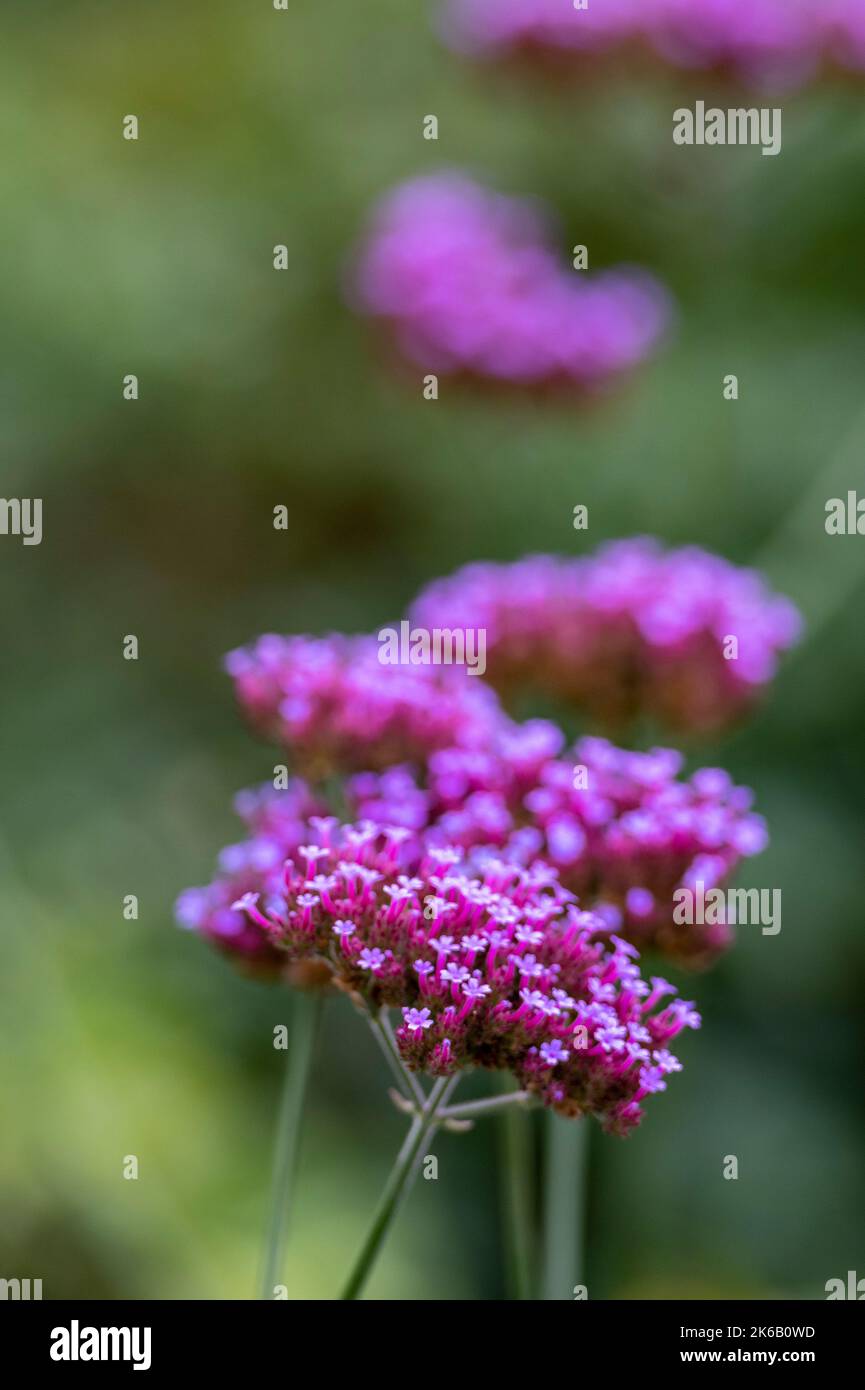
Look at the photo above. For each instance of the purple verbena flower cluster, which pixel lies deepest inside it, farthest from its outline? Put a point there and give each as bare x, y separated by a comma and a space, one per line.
767, 43
624, 832
494, 28
774, 43
469, 285
334, 707
681, 635
277, 821
448, 885
491, 964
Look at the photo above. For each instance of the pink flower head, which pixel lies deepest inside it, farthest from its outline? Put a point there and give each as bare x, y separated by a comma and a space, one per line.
631, 834
633, 630
332, 705
495, 28
767, 42
843, 23
469, 283
562, 1007
621, 830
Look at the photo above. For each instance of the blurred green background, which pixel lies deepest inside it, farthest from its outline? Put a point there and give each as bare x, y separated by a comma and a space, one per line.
258, 388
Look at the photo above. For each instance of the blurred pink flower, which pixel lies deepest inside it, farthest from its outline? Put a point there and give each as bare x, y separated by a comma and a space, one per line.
632, 630
469, 284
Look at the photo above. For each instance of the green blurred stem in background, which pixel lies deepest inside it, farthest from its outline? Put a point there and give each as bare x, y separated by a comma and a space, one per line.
402, 1175
566, 1163
304, 1026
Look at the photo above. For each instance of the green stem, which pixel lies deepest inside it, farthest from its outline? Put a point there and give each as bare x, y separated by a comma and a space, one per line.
398, 1184
405, 1079
517, 1197
567, 1150
476, 1109
304, 1025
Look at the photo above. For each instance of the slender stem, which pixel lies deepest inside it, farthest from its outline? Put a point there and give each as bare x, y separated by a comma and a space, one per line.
476, 1109
405, 1079
567, 1151
304, 1025
518, 1199
398, 1184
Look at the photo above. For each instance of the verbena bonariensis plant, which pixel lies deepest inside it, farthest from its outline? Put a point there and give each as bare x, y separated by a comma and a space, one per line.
490, 889
469, 285
774, 43
630, 631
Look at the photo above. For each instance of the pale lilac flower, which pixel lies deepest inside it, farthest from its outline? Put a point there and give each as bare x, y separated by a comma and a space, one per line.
371, 958
417, 1020
553, 1052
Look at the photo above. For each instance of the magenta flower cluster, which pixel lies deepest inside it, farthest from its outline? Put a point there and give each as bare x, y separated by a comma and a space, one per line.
492, 28
681, 635
623, 831
468, 284
491, 965
774, 43
620, 829
843, 22
331, 704
492, 887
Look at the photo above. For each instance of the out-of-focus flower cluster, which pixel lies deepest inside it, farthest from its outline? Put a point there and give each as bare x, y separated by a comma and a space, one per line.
629, 631
498, 28
843, 22
490, 963
335, 708
469, 285
767, 43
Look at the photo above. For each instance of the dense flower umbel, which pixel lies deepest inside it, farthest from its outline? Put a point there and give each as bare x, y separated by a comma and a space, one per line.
761, 41
622, 830
491, 964
332, 705
470, 285
630, 631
